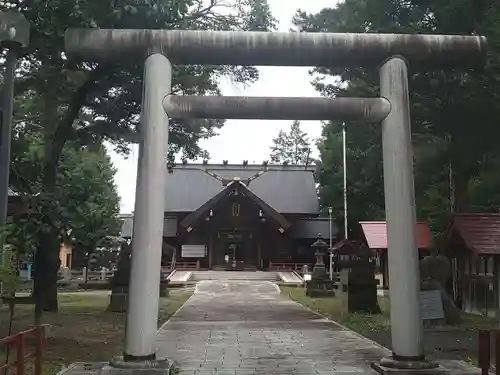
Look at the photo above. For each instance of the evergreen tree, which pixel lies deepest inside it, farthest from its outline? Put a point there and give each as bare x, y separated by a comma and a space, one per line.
279, 148
291, 147
454, 112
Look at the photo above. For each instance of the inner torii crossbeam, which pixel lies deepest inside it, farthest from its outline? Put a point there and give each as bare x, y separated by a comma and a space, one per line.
390, 53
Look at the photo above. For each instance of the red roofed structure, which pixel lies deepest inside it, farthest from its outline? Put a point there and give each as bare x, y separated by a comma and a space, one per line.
375, 235
479, 232
472, 242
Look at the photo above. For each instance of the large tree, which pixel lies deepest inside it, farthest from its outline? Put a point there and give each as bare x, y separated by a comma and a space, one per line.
88, 196
291, 147
454, 112
85, 200
84, 103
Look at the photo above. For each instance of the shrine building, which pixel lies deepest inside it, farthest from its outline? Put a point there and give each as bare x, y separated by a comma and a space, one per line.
242, 216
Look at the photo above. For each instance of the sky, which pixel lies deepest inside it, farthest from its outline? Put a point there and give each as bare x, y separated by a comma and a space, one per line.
242, 140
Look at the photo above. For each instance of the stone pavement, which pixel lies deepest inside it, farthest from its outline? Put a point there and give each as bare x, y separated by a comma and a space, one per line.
247, 327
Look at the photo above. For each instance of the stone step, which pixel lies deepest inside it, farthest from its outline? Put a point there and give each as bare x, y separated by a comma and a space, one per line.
288, 277
179, 276
233, 275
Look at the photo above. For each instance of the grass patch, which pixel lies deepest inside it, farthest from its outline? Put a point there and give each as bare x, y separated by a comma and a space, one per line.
331, 307
440, 342
83, 330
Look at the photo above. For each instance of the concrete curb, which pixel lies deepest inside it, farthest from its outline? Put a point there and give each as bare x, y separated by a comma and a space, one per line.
175, 313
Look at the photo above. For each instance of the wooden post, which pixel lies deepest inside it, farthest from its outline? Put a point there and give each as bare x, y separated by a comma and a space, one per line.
20, 355
497, 353
210, 249
39, 332
259, 251
484, 351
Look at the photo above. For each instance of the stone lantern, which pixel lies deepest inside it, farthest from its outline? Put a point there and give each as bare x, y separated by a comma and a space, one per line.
319, 246
319, 285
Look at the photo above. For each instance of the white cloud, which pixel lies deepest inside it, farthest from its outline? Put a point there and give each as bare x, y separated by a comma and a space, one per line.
244, 139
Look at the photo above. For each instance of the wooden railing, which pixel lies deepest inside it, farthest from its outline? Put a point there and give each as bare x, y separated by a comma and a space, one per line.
85, 274
184, 266
17, 342
286, 266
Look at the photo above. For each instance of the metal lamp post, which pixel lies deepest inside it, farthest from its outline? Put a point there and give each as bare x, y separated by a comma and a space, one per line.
330, 210
344, 163
14, 35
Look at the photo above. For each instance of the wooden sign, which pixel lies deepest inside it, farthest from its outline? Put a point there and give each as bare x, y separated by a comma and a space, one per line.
193, 251
431, 305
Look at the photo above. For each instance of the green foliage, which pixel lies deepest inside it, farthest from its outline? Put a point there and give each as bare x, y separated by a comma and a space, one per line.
454, 112
60, 101
63, 104
88, 194
103, 100
85, 201
8, 269
291, 147
364, 171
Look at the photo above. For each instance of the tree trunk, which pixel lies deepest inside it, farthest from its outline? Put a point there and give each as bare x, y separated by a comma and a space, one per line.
461, 191
47, 260
461, 173
47, 264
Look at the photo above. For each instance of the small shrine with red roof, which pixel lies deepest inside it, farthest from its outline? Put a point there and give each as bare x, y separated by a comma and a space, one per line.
375, 236
472, 242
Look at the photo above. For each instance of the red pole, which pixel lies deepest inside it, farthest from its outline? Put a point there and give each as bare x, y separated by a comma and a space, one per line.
39, 350
497, 352
484, 351
20, 355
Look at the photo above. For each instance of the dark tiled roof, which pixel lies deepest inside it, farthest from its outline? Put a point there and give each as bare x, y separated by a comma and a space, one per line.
169, 226
347, 244
287, 189
376, 234
227, 191
310, 228
480, 232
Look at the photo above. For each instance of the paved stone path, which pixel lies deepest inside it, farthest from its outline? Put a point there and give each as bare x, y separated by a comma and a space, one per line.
247, 327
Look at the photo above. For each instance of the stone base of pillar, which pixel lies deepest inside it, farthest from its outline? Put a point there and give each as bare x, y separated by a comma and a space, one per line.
118, 300
118, 367
449, 366
392, 366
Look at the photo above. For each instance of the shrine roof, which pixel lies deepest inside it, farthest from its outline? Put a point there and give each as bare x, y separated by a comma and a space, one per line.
479, 231
286, 188
375, 233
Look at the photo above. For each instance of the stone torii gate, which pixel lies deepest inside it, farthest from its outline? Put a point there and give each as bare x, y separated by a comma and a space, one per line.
389, 52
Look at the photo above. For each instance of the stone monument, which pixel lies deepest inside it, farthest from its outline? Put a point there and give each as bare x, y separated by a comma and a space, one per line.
434, 273
120, 282
358, 283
